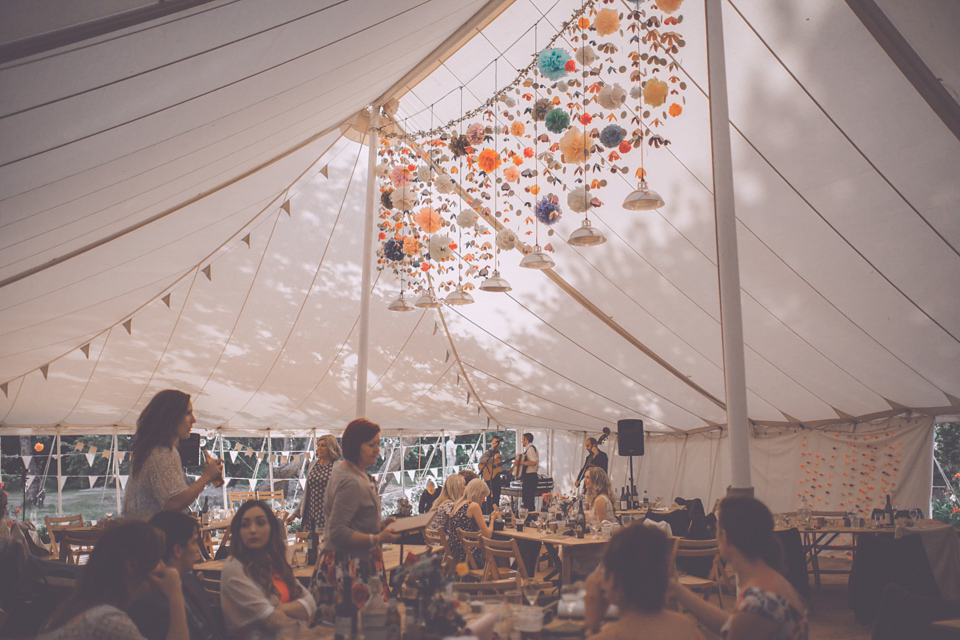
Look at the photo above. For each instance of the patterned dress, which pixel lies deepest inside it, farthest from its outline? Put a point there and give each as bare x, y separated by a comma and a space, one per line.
442, 517
460, 520
313, 497
768, 605
160, 477
102, 622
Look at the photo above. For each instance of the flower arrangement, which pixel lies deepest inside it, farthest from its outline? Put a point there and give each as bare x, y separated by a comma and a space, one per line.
422, 579
428, 219
668, 6
552, 63
404, 198
506, 239
517, 128
475, 133
557, 120
440, 247
578, 199
444, 184
385, 200
586, 56
548, 210
460, 146
467, 218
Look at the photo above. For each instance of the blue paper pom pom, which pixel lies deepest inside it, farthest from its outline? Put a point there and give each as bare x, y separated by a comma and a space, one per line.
552, 63
557, 120
547, 212
393, 250
612, 135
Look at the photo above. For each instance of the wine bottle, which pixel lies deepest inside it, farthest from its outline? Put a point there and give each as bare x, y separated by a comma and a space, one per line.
624, 503
313, 544
218, 481
581, 520
646, 500
889, 511
373, 616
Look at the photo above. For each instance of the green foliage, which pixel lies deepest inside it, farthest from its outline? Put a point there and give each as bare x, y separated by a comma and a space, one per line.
946, 447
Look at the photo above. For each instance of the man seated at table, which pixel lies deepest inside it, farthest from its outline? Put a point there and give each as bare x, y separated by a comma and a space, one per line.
182, 552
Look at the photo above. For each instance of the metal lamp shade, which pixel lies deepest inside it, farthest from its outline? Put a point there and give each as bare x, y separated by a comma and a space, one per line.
643, 199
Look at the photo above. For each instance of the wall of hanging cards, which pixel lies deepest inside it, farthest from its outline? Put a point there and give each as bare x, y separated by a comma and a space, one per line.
497, 178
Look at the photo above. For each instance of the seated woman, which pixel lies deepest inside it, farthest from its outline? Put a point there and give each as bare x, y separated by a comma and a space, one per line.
258, 593
428, 497
767, 605
451, 492
467, 515
600, 498
634, 576
125, 563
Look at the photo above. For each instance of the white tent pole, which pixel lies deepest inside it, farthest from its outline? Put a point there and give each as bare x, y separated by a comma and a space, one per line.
731, 320
116, 468
270, 459
365, 274
223, 487
59, 476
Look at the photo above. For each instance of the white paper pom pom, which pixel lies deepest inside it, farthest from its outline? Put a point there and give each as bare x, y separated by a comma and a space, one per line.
404, 198
586, 56
578, 200
467, 218
611, 96
506, 239
444, 184
423, 173
440, 247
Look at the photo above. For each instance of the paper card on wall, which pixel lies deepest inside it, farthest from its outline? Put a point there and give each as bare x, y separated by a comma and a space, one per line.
90, 457
92, 480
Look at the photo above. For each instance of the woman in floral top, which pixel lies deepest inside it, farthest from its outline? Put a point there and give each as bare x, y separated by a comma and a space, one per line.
767, 607
452, 491
157, 481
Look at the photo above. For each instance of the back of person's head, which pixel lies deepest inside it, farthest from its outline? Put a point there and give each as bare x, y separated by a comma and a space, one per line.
333, 449
157, 425
637, 559
468, 475
452, 490
177, 528
356, 433
748, 525
476, 491
121, 559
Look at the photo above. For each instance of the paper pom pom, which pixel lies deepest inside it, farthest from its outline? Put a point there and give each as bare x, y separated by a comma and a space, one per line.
562, 86
517, 128
509, 101
386, 200
586, 56
475, 133
548, 211
459, 146
444, 184
573, 146
423, 173
511, 174
612, 135
393, 250
541, 107
668, 6
400, 176
636, 92
440, 247
428, 219
552, 63
383, 169
488, 160
606, 22
411, 246
611, 96
404, 198
467, 218
579, 199
675, 110
655, 92
506, 239
557, 120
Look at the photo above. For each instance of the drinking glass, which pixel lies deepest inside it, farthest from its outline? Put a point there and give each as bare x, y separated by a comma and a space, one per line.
915, 514
531, 591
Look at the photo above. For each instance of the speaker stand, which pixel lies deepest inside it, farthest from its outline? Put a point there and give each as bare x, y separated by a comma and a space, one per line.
633, 487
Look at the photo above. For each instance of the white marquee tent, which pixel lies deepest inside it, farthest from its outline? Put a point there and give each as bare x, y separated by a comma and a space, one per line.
182, 200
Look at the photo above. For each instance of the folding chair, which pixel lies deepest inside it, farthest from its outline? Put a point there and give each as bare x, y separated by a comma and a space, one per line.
471, 542
59, 524
212, 587
235, 497
701, 549
76, 544
275, 495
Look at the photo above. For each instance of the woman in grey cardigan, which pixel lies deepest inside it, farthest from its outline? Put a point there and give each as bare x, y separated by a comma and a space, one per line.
351, 554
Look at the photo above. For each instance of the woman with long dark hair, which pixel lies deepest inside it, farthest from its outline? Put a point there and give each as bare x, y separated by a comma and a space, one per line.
124, 563
633, 576
351, 557
258, 591
157, 482
767, 606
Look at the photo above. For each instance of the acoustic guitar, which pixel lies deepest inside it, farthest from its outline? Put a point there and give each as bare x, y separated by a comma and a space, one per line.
493, 467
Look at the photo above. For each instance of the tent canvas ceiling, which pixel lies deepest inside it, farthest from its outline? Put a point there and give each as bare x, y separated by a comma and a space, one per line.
179, 209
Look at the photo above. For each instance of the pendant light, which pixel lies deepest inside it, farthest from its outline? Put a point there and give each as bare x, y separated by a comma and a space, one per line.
495, 283
401, 304
459, 297
586, 235
428, 300
538, 259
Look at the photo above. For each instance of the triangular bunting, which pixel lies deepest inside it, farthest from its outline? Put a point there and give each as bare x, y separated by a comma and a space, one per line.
4, 387
86, 350
92, 480
166, 300
93, 450
325, 172
412, 475
128, 325
60, 481
78, 446
248, 452
286, 206
253, 484
123, 481
238, 447
207, 271
121, 455
106, 454
303, 483
90, 457
246, 240
26, 461
233, 456
45, 369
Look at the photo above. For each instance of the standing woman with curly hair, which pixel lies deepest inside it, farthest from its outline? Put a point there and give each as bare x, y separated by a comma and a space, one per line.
258, 592
157, 481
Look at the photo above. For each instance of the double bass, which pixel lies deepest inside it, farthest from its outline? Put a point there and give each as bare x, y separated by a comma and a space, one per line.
586, 463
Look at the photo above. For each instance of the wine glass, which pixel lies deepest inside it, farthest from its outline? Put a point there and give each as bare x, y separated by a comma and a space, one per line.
522, 513
915, 514
531, 591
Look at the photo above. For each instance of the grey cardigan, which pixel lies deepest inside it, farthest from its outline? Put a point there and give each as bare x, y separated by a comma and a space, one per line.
350, 504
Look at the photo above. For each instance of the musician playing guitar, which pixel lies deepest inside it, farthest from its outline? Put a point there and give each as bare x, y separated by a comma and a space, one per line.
490, 467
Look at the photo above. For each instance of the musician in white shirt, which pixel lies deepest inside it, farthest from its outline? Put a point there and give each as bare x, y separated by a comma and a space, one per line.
527, 466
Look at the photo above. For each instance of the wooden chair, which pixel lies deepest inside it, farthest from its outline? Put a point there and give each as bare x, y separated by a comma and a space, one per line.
437, 538
701, 549
274, 495
471, 542
76, 544
501, 555
212, 587
236, 498
59, 524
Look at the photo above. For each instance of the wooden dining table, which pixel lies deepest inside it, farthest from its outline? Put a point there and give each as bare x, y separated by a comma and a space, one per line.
561, 548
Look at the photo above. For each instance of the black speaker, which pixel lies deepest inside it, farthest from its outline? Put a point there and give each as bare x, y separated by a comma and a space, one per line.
190, 451
630, 437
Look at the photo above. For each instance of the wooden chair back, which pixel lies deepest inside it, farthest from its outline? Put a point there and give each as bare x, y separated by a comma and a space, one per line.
500, 555
212, 587
236, 498
76, 544
267, 496
471, 542
59, 524
702, 549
